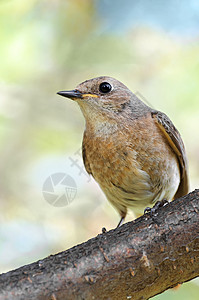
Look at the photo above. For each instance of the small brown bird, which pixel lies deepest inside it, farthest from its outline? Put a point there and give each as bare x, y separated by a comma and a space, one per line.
134, 152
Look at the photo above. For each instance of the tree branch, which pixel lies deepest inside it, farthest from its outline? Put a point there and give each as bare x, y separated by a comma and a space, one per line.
135, 261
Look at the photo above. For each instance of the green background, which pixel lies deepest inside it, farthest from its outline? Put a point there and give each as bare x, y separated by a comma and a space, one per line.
47, 46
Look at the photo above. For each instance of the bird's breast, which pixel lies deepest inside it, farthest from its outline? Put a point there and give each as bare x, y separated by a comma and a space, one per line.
136, 158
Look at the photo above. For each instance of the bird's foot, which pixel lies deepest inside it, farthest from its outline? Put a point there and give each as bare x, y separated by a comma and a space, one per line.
154, 209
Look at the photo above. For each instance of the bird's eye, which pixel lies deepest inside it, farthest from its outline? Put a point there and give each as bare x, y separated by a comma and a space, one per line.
105, 87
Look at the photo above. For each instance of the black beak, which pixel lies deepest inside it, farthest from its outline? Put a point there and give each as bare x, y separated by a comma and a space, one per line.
70, 94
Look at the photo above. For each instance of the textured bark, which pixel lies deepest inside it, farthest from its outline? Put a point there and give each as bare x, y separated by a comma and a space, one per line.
135, 261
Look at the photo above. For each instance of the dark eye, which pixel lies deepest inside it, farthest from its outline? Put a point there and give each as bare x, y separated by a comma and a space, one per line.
105, 87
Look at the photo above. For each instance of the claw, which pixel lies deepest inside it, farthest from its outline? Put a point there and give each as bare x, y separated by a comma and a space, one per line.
104, 230
157, 205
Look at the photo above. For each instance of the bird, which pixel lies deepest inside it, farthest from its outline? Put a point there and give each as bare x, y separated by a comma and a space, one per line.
134, 152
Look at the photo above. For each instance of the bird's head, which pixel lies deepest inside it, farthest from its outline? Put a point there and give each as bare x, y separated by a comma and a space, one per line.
103, 96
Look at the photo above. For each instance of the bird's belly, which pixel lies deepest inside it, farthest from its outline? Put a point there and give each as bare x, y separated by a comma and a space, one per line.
139, 189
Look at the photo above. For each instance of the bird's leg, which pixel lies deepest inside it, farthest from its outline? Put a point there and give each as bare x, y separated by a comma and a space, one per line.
120, 222
157, 205
123, 215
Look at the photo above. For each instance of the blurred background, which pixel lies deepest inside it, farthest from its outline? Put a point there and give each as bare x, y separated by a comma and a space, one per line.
47, 201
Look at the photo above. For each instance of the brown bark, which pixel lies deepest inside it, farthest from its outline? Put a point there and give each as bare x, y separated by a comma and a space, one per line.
135, 261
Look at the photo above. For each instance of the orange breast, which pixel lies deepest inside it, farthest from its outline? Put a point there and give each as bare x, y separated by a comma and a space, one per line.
138, 149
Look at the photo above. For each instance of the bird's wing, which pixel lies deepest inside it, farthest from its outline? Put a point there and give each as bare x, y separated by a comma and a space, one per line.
176, 143
85, 160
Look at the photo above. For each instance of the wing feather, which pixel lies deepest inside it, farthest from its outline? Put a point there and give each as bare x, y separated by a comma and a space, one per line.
176, 143
85, 160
